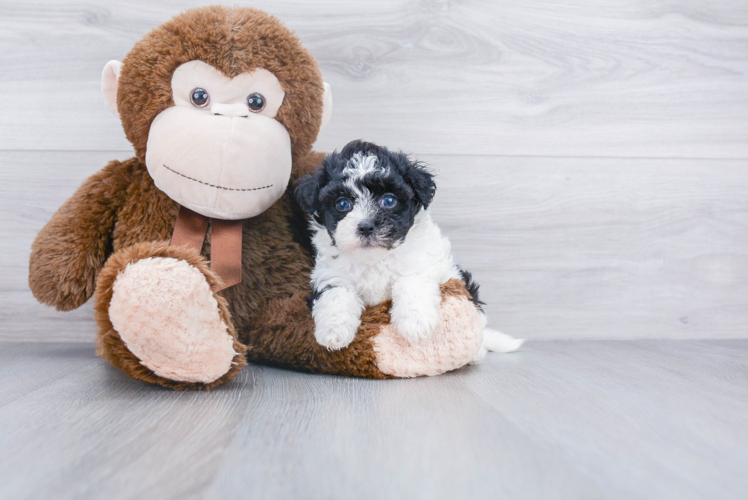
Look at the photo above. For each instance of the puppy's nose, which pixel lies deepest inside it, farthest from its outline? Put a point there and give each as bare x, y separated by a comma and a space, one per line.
366, 228
236, 109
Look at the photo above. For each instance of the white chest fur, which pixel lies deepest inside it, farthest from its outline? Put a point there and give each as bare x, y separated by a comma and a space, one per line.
370, 273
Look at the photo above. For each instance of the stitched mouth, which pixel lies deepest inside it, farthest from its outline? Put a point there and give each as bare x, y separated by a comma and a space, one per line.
215, 185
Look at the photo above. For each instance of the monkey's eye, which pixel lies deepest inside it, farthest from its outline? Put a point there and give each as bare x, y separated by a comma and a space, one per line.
255, 102
343, 205
199, 97
388, 201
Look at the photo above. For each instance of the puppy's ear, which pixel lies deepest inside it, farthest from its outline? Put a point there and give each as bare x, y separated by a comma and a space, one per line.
420, 180
307, 190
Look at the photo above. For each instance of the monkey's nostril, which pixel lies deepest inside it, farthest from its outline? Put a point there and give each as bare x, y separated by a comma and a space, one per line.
366, 228
233, 110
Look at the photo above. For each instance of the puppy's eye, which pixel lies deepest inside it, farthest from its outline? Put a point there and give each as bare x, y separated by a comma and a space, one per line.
343, 205
255, 102
388, 201
199, 97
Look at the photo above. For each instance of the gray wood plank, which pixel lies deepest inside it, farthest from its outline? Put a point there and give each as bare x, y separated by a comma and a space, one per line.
561, 419
428, 438
629, 415
591, 248
639, 78
563, 247
49, 364
94, 433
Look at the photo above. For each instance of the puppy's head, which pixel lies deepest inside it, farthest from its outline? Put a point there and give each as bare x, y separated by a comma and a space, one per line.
366, 196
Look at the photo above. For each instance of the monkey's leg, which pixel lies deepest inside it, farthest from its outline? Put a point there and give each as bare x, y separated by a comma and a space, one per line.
284, 336
159, 321
456, 341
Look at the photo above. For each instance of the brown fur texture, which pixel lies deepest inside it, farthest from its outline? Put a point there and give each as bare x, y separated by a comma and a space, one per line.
118, 214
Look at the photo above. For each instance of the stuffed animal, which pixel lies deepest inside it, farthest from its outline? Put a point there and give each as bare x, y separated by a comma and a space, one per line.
195, 251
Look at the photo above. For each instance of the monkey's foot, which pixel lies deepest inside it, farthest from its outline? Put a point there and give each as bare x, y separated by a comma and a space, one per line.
456, 340
161, 307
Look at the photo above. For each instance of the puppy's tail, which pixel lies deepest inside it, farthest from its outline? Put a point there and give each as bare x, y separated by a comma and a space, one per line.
496, 341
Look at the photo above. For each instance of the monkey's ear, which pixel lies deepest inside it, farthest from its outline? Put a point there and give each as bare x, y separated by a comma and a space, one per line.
326, 104
109, 83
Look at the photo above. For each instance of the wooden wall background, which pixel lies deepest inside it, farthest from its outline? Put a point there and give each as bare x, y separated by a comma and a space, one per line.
592, 155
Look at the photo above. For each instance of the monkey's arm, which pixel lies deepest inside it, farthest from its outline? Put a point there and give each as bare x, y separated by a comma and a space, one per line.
70, 250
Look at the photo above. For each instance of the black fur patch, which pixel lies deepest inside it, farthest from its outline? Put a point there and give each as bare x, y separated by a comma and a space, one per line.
472, 287
316, 294
407, 180
299, 224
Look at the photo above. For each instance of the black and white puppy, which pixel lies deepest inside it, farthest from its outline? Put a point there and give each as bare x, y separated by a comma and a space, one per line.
375, 241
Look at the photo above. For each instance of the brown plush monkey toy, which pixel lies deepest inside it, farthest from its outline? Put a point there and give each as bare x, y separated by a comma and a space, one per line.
195, 251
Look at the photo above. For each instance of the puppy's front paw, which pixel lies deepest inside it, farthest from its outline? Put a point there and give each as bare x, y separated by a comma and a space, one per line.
335, 336
415, 307
337, 316
415, 323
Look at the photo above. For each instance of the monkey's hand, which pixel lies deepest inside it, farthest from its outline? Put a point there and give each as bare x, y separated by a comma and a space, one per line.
337, 316
70, 250
415, 307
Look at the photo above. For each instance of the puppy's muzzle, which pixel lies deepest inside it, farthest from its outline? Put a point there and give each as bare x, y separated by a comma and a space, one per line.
366, 228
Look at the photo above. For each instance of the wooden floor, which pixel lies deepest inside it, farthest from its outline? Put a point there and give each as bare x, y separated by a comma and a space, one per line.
560, 419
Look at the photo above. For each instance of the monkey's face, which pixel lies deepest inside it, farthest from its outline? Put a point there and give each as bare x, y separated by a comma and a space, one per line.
219, 150
219, 102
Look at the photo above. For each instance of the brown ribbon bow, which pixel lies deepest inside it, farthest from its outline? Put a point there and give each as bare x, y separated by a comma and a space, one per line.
225, 243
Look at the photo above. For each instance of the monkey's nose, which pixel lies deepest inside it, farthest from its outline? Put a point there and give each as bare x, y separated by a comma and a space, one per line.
236, 109
366, 228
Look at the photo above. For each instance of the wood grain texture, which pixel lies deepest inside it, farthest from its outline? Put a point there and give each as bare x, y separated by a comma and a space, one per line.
636, 419
602, 248
563, 247
640, 78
